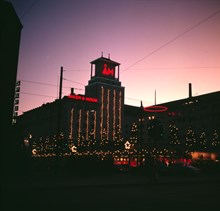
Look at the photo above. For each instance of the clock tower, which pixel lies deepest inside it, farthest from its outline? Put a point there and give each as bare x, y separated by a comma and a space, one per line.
104, 85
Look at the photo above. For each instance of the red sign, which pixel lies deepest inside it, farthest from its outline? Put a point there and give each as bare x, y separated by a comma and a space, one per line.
83, 98
156, 108
107, 70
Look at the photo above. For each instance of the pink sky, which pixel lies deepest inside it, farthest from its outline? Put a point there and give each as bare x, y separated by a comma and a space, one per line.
73, 33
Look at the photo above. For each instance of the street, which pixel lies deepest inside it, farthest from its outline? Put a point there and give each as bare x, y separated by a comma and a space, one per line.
181, 196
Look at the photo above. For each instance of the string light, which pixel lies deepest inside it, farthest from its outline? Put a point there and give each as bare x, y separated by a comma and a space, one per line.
87, 125
79, 126
71, 124
94, 124
119, 109
108, 100
114, 115
102, 110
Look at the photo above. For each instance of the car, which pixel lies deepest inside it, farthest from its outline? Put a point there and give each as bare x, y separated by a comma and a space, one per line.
181, 168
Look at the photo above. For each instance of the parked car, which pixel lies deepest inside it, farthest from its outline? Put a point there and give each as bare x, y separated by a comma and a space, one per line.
181, 168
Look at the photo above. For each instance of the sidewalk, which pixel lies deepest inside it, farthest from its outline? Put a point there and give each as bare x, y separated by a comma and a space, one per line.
124, 179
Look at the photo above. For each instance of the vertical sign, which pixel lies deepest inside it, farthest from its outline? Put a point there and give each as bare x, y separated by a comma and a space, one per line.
16, 101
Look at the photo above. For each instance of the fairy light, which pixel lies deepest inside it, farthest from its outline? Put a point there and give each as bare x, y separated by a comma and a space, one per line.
87, 125
114, 117
119, 110
133, 138
71, 124
108, 98
215, 139
102, 110
94, 124
190, 139
79, 126
173, 134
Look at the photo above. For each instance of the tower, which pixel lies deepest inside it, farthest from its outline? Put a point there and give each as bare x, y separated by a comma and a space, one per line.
104, 85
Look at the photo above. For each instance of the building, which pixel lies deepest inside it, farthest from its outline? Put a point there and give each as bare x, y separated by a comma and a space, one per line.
9, 41
85, 120
101, 119
181, 126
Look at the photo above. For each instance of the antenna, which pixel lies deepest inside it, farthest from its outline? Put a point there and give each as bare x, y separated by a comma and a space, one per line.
155, 97
102, 54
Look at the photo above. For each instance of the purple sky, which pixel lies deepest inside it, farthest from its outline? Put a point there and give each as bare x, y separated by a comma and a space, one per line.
162, 45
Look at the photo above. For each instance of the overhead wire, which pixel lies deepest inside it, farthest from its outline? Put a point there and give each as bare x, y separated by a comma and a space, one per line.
173, 39
29, 8
35, 82
41, 83
173, 68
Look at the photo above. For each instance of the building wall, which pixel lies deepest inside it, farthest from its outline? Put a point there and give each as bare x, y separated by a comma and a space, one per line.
10, 42
100, 116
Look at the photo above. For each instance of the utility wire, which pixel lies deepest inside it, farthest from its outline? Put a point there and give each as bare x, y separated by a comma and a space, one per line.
35, 82
26, 93
173, 40
74, 82
34, 94
173, 68
28, 10
46, 84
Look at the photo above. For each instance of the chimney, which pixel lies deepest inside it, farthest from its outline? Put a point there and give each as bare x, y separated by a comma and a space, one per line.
190, 90
72, 91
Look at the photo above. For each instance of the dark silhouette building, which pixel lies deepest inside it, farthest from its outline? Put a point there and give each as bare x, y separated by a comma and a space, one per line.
9, 46
10, 41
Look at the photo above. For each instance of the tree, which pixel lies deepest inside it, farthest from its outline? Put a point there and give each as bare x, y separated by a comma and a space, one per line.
215, 141
134, 136
190, 140
202, 141
174, 134
155, 131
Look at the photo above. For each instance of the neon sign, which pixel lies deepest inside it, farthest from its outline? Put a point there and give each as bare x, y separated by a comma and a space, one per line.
156, 109
83, 98
107, 71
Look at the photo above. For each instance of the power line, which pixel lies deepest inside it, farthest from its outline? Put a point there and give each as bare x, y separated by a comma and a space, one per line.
36, 82
74, 82
46, 84
28, 10
173, 40
37, 95
40, 95
78, 70
173, 68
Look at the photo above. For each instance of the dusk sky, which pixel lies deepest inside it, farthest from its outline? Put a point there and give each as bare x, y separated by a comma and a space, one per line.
162, 45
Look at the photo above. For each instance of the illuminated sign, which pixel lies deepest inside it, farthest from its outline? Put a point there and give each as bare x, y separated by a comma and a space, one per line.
83, 98
156, 108
107, 71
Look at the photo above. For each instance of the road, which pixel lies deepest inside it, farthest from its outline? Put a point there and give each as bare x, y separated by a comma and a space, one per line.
175, 196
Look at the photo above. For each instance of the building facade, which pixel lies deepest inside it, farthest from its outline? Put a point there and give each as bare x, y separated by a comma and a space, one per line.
101, 119
95, 118
182, 126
